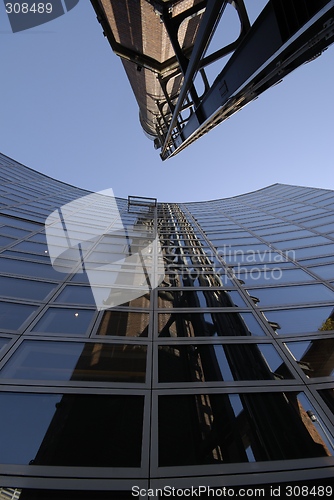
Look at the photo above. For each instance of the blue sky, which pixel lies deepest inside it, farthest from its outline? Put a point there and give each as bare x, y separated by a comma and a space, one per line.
68, 111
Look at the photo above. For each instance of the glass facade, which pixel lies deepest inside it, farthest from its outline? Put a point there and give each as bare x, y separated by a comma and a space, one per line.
220, 375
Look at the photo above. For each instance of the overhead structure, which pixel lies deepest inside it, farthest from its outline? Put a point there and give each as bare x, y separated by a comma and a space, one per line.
166, 48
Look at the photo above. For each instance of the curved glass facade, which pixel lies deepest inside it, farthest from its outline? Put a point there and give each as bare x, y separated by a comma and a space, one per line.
220, 376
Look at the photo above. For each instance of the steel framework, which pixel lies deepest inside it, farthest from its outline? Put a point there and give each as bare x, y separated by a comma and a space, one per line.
164, 47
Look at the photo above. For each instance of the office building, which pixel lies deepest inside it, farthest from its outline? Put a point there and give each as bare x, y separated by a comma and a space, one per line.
220, 376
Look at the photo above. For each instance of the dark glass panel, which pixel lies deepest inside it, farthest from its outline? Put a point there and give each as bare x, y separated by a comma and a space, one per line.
13, 231
194, 324
71, 430
197, 298
315, 357
76, 295
302, 320
31, 246
35, 360
221, 428
124, 323
301, 294
33, 269
70, 321
3, 342
13, 315
27, 256
328, 396
220, 363
30, 494
25, 289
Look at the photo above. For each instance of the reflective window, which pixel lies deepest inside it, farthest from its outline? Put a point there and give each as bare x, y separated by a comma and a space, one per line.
76, 295
27, 256
220, 363
302, 242
25, 289
31, 246
3, 342
196, 324
317, 250
205, 429
13, 231
197, 298
315, 357
124, 323
257, 276
301, 320
70, 321
34, 269
300, 294
71, 430
13, 315
35, 360
5, 240
326, 271
250, 257
328, 396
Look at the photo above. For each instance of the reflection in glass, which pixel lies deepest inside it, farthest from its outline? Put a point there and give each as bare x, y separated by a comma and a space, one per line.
196, 298
219, 363
300, 320
315, 357
220, 428
70, 321
194, 324
71, 430
76, 295
35, 360
124, 323
13, 315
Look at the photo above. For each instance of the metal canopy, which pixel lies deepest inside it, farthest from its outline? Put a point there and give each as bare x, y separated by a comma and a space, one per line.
164, 45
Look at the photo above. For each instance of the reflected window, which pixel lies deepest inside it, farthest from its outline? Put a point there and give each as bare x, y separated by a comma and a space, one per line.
34, 360
326, 271
302, 320
292, 295
25, 289
196, 324
124, 323
315, 357
205, 429
328, 396
70, 321
71, 430
220, 363
14, 315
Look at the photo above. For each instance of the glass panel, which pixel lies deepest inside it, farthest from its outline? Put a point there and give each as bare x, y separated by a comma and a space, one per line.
302, 320
326, 271
300, 294
197, 298
31, 246
44, 360
76, 295
5, 240
70, 321
257, 276
315, 357
13, 315
207, 324
25, 289
33, 269
219, 363
13, 231
249, 257
3, 342
205, 429
328, 396
318, 250
71, 430
124, 323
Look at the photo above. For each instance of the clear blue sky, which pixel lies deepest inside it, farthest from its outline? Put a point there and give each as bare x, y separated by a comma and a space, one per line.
68, 111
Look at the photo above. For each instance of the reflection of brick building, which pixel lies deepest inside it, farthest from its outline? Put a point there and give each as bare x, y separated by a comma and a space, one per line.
219, 374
